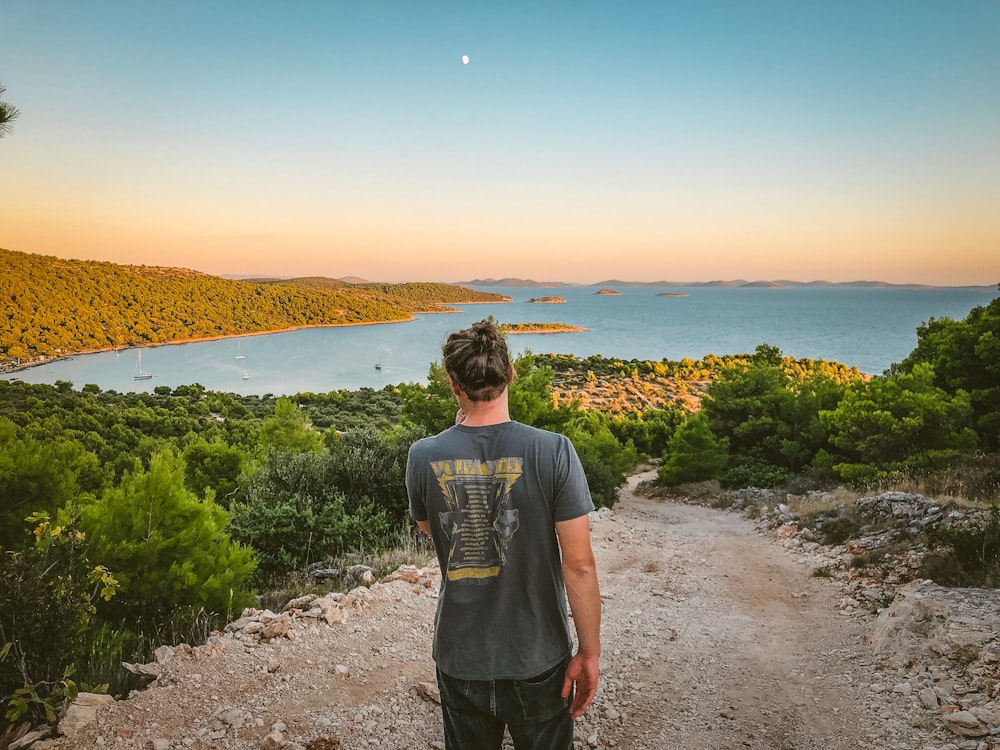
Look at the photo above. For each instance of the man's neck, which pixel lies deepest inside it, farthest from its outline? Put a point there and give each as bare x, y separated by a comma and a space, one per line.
485, 413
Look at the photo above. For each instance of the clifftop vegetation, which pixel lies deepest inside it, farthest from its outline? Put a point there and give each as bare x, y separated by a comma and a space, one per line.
54, 307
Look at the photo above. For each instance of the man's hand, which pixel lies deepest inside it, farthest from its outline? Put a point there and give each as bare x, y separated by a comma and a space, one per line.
584, 671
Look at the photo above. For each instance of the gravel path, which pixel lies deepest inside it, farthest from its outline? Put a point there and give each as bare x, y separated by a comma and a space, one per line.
714, 636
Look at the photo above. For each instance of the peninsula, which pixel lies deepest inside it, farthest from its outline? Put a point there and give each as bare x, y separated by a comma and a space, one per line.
540, 328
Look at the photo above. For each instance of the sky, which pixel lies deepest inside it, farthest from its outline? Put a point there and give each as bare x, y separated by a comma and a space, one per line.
583, 141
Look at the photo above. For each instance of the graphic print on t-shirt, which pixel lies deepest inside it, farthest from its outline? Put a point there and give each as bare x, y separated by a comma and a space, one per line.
479, 520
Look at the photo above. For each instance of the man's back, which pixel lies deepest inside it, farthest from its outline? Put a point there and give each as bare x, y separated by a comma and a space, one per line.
493, 495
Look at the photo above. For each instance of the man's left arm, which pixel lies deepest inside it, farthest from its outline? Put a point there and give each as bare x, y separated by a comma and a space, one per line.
580, 573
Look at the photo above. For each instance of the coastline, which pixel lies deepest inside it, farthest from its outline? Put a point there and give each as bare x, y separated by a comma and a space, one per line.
221, 337
443, 309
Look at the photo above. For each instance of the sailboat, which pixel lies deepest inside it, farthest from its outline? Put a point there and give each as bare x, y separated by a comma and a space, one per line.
139, 374
238, 354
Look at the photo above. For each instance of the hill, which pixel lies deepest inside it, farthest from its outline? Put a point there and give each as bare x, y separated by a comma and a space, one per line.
55, 307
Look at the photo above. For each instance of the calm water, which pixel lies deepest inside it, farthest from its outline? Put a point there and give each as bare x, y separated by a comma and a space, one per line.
869, 328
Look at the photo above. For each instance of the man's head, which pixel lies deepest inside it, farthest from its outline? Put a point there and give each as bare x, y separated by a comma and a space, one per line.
477, 361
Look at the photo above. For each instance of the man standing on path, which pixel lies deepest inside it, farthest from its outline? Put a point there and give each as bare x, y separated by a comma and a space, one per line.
507, 507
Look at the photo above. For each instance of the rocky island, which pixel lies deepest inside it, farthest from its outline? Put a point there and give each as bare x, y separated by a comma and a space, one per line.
672, 294
547, 300
540, 328
612, 292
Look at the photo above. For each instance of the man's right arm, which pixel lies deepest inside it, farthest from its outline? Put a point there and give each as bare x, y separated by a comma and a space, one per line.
583, 592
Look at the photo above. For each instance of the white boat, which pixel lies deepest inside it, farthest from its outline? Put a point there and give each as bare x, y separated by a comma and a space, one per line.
139, 374
238, 354
246, 376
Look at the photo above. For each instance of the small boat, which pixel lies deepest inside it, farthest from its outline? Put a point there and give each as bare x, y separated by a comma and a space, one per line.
238, 354
246, 376
378, 366
139, 374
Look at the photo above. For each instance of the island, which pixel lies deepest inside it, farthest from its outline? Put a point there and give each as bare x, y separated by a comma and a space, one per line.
540, 328
607, 291
672, 294
547, 300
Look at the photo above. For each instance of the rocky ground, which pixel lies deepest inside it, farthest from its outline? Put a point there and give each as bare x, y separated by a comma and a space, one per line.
715, 635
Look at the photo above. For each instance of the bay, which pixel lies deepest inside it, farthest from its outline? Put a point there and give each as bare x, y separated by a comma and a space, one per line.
870, 328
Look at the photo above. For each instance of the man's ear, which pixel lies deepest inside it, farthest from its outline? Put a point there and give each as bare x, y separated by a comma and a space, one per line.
455, 387
512, 374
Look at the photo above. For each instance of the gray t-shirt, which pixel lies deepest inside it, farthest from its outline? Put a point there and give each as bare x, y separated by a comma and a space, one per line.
493, 495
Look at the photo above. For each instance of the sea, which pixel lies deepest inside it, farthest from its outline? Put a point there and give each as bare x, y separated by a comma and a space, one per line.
867, 327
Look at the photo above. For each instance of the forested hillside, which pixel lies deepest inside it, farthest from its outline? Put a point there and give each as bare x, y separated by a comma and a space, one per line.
54, 307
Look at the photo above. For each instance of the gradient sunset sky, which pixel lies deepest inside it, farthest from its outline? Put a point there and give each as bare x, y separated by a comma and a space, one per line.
583, 141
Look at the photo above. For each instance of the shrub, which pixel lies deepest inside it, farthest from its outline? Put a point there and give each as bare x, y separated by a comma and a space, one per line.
169, 549
293, 513
47, 601
753, 472
966, 556
694, 454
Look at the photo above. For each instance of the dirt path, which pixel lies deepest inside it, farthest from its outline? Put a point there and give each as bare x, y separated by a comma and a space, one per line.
724, 639
714, 637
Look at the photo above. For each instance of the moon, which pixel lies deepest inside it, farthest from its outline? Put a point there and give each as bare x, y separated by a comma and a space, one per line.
465, 59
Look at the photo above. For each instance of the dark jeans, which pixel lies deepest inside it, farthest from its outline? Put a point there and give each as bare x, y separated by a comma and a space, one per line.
534, 712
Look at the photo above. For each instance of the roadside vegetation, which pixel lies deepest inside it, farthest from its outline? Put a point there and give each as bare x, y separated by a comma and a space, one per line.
131, 520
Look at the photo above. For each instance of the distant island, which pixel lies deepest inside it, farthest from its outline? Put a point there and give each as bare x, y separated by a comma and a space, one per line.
612, 292
673, 294
731, 284
547, 300
540, 328
511, 282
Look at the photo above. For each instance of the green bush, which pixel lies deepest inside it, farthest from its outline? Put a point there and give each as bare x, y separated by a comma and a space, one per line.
605, 460
169, 549
754, 472
292, 513
966, 556
694, 454
48, 594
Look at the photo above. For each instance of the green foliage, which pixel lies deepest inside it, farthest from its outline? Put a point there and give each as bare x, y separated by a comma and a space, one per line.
170, 550
896, 421
965, 357
213, 466
750, 471
36, 476
650, 430
768, 410
48, 597
431, 407
694, 453
529, 397
350, 410
966, 555
292, 513
8, 113
288, 430
368, 465
605, 460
